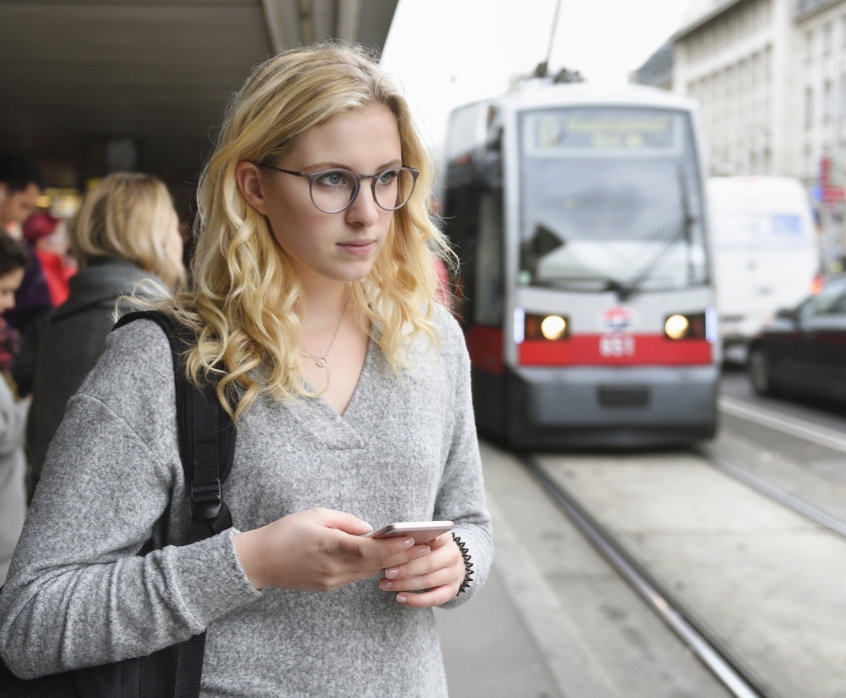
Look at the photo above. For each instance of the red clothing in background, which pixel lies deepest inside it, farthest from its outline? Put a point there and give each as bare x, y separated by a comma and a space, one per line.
57, 274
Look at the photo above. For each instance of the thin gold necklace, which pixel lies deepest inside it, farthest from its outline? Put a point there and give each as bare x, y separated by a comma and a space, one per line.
323, 361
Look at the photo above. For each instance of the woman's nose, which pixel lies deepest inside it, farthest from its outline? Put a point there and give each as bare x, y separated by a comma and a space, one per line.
364, 210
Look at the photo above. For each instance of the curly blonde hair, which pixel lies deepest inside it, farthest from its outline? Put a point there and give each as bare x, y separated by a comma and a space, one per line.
244, 292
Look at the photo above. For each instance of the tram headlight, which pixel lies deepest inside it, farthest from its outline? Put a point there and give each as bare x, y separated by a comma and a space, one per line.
685, 326
553, 326
676, 326
549, 327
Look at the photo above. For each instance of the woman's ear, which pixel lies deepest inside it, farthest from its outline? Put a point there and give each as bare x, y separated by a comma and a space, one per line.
252, 185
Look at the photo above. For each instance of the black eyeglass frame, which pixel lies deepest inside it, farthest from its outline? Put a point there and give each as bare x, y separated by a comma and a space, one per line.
312, 177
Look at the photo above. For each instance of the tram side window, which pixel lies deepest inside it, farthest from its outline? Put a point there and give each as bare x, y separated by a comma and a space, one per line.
474, 224
489, 260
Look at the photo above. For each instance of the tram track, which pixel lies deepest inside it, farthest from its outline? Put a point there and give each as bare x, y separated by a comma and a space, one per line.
710, 650
799, 506
738, 671
796, 427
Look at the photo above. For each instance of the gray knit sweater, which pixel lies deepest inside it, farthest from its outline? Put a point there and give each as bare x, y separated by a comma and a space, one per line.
77, 593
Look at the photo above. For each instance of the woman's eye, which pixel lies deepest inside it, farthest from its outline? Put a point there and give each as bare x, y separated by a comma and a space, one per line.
333, 179
387, 177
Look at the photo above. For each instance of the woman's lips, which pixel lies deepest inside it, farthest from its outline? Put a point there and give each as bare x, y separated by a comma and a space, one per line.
358, 249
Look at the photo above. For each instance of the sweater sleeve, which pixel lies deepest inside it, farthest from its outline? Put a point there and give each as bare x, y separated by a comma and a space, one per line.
461, 496
12, 420
77, 593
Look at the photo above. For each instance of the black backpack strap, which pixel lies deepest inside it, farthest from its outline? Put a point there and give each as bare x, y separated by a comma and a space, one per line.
207, 449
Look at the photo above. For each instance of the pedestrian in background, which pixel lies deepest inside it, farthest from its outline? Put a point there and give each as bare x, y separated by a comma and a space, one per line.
126, 237
13, 412
47, 237
315, 301
20, 187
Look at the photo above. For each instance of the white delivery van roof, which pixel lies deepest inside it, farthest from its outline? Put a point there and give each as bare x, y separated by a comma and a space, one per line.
762, 193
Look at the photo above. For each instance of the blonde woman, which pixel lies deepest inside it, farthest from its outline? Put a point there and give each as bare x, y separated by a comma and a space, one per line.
315, 296
125, 237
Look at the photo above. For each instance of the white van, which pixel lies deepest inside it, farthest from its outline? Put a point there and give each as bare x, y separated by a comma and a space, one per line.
765, 252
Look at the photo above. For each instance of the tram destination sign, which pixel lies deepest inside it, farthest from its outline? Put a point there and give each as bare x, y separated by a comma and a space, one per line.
605, 129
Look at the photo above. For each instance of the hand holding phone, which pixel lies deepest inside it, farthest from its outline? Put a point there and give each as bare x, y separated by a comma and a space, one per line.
420, 531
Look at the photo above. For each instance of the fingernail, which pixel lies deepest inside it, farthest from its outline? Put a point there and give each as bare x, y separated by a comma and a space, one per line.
408, 542
401, 598
391, 573
385, 584
423, 551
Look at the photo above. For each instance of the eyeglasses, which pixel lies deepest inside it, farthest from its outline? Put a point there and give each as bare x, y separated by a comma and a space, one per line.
335, 190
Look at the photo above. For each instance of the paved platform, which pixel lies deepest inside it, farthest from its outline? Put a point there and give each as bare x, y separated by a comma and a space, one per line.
554, 621
488, 651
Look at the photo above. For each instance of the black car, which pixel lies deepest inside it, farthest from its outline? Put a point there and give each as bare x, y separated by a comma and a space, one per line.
803, 349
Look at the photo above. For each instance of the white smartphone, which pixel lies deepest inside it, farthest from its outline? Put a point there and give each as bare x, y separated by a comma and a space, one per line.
420, 531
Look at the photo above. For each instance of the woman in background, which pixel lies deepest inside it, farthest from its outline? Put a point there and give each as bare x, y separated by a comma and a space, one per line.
13, 262
127, 232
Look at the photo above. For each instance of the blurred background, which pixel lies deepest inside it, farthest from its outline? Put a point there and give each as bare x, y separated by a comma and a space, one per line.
647, 198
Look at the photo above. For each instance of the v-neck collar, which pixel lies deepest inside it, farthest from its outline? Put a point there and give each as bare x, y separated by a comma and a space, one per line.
362, 418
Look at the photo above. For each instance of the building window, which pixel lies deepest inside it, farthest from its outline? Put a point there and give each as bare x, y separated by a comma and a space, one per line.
809, 46
843, 30
809, 107
826, 39
828, 102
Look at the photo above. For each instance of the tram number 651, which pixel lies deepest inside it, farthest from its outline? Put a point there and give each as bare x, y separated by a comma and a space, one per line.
616, 345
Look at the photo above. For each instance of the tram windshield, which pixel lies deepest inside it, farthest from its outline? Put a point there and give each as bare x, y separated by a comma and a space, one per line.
610, 200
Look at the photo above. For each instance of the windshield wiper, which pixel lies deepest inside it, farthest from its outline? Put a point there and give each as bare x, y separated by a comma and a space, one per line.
625, 291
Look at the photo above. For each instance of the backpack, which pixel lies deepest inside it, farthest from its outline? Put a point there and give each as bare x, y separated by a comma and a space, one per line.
207, 449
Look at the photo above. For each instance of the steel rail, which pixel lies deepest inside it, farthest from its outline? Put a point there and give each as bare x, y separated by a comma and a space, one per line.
810, 512
701, 642
783, 423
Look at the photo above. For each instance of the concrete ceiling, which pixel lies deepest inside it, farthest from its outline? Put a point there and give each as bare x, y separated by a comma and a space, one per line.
76, 73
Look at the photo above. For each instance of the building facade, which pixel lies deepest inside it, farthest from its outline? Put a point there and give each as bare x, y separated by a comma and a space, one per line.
658, 69
821, 27
770, 78
734, 57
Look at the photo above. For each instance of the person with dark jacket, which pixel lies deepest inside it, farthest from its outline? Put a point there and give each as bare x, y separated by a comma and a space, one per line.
13, 261
20, 187
126, 239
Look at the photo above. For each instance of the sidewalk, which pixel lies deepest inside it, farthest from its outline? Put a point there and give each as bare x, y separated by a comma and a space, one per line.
554, 620
487, 650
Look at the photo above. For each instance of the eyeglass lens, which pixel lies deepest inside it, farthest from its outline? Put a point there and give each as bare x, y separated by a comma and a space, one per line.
333, 190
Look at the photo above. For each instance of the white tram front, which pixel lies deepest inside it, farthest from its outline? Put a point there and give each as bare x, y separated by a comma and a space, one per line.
585, 285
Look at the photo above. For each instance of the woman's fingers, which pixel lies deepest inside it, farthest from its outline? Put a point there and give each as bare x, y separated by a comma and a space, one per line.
430, 580
369, 549
443, 567
434, 597
317, 550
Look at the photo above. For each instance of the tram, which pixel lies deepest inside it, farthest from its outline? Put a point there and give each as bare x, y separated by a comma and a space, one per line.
585, 287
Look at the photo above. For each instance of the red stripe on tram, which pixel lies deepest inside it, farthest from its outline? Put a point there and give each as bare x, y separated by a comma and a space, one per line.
484, 345
618, 349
